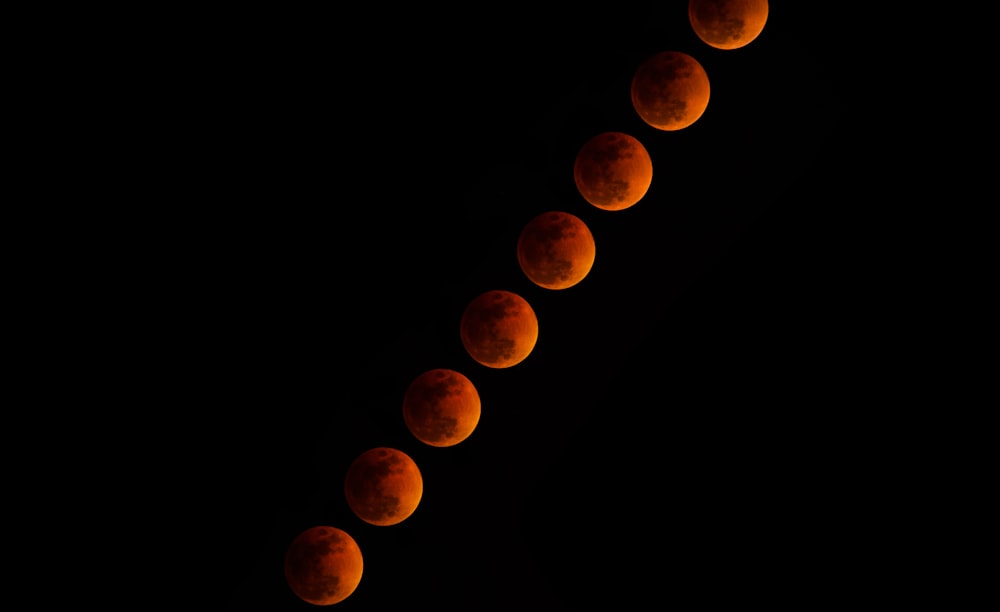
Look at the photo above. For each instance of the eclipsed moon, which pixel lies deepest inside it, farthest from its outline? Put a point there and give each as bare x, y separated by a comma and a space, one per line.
441, 407
383, 486
613, 170
556, 250
727, 24
499, 329
323, 565
670, 90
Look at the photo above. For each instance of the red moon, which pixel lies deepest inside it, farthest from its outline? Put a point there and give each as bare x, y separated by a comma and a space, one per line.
499, 329
670, 90
613, 170
323, 565
556, 250
727, 24
441, 407
383, 486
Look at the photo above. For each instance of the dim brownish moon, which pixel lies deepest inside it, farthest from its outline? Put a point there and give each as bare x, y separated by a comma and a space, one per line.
499, 329
383, 486
323, 565
441, 407
556, 250
727, 24
670, 90
613, 170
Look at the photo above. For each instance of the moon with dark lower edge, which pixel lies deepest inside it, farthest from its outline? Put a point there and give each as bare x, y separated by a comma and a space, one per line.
323, 565
670, 90
556, 250
613, 170
383, 486
499, 329
727, 24
441, 407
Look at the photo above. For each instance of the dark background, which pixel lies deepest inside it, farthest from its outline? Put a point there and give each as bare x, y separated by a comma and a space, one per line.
695, 423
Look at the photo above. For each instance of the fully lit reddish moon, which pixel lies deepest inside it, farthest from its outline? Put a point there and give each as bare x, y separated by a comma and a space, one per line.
323, 565
383, 486
613, 170
556, 250
499, 329
670, 90
727, 24
441, 407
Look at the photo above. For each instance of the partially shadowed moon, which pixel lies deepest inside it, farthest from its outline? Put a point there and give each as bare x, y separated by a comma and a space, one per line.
670, 90
441, 407
727, 24
613, 170
323, 565
556, 250
383, 486
499, 329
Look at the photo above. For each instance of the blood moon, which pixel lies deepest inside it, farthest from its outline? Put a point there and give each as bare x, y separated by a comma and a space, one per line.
613, 170
727, 24
556, 250
670, 90
441, 407
323, 565
383, 486
499, 329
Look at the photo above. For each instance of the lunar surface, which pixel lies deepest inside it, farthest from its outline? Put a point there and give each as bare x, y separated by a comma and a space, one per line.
323, 565
556, 250
727, 24
441, 407
383, 486
613, 170
670, 90
499, 329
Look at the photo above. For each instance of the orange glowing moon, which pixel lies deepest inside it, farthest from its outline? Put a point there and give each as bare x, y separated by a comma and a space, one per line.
613, 170
499, 329
323, 565
441, 407
383, 486
670, 90
727, 24
556, 250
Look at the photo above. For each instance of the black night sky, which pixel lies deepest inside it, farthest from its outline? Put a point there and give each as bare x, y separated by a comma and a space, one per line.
684, 429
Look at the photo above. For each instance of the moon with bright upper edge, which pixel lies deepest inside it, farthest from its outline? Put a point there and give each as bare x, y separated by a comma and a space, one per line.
441, 407
727, 24
323, 565
613, 170
556, 250
499, 329
670, 90
383, 486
